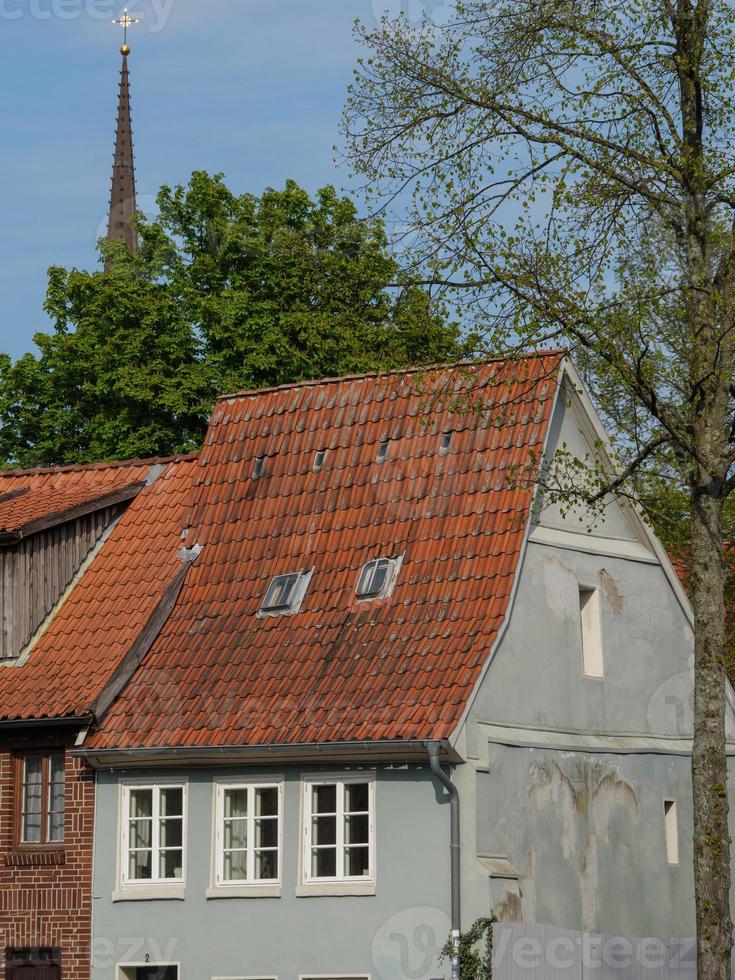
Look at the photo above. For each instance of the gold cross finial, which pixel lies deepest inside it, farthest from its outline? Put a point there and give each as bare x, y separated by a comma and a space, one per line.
125, 22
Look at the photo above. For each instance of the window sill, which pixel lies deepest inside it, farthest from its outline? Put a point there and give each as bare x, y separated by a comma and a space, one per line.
150, 893
324, 888
244, 891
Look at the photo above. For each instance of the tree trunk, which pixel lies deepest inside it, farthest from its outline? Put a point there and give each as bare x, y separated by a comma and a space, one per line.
709, 760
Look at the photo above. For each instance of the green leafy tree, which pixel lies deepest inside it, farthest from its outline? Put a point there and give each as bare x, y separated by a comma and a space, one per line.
539, 145
226, 292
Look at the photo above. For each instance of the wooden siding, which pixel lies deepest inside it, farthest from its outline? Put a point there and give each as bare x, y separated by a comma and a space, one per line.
35, 573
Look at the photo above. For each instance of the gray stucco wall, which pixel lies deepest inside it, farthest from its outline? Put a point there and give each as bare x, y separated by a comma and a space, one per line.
288, 936
536, 678
586, 833
583, 829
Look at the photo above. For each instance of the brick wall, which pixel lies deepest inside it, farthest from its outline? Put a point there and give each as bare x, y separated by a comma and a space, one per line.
46, 897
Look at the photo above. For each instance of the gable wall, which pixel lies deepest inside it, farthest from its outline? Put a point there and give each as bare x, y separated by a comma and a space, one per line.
35, 573
567, 775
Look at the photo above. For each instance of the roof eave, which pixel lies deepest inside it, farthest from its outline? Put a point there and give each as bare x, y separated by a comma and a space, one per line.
63, 721
118, 496
395, 750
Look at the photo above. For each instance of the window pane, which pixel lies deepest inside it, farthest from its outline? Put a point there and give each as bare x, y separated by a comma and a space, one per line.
266, 802
324, 830
140, 833
324, 863
33, 766
171, 833
171, 864
141, 802
56, 827
266, 833
32, 798
56, 797
139, 866
380, 574
357, 797
32, 828
236, 833
56, 768
172, 802
235, 866
357, 830
324, 799
357, 863
266, 865
236, 803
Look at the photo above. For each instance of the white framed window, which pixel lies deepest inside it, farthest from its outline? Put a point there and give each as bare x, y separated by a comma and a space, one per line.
590, 631
285, 594
339, 829
377, 578
249, 833
153, 834
671, 829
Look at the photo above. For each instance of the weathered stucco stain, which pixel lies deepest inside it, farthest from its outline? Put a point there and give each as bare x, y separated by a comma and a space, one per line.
612, 592
594, 809
510, 909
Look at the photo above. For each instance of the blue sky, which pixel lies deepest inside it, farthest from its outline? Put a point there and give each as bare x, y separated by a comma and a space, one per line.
252, 88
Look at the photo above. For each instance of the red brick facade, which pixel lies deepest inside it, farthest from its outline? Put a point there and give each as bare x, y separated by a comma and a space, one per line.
46, 895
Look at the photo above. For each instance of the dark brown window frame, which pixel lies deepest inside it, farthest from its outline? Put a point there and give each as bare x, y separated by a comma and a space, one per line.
20, 759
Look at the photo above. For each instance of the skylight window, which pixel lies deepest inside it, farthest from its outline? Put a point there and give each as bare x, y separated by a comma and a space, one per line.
382, 451
446, 442
285, 594
259, 467
377, 578
319, 459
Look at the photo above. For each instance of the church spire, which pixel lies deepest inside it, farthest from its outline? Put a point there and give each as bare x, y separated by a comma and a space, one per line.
122, 199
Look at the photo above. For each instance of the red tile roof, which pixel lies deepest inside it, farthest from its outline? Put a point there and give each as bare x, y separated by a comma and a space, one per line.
340, 670
31, 496
104, 612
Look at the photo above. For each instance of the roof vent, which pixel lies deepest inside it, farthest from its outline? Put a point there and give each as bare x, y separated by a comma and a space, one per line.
446, 442
382, 451
259, 467
319, 460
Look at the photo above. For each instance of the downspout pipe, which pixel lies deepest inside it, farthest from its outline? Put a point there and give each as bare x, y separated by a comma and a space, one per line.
434, 750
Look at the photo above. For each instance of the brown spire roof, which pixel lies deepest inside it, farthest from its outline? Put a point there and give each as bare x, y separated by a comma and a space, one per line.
122, 199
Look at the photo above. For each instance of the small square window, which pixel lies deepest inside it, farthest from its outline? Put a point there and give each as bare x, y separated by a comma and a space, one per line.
377, 578
285, 594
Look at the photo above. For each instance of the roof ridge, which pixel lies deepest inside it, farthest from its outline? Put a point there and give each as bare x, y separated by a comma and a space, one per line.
532, 355
111, 464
